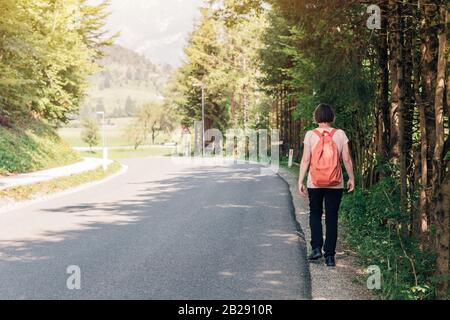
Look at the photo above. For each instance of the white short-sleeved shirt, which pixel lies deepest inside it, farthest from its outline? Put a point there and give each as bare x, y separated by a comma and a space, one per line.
311, 139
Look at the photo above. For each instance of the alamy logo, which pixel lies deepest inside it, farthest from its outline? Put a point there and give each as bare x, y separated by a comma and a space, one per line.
240, 145
374, 20
74, 280
374, 279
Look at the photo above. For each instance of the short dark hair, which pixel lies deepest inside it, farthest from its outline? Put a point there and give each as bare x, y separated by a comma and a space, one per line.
324, 113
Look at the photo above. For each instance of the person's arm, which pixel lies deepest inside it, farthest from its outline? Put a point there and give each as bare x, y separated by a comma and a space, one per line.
304, 166
348, 163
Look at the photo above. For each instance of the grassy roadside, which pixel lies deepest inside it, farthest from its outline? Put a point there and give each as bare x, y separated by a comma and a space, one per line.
28, 145
370, 217
32, 191
285, 164
115, 133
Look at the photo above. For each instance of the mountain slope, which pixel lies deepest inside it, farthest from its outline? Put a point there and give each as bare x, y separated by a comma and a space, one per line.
127, 80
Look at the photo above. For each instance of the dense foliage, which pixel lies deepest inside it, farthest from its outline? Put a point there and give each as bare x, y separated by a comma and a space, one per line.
47, 49
223, 59
371, 217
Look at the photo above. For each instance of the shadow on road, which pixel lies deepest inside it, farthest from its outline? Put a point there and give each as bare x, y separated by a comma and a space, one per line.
197, 233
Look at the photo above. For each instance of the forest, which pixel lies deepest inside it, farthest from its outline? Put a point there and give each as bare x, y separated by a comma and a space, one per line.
267, 64
47, 51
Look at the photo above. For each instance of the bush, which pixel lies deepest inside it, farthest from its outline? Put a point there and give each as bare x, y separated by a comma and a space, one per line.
373, 221
5, 121
90, 134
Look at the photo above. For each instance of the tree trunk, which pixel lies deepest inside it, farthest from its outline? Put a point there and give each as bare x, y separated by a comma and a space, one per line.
442, 192
233, 110
420, 215
399, 148
383, 87
409, 101
395, 85
439, 104
423, 218
428, 63
442, 213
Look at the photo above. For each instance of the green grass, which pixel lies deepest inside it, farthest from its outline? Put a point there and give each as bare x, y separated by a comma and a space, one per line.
114, 137
40, 189
115, 97
284, 163
31, 145
115, 134
128, 154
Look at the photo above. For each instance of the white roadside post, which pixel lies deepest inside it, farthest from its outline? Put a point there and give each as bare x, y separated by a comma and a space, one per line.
104, 148
291, 157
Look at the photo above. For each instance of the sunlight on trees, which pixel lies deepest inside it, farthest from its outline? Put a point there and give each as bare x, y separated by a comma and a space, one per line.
152, 119
47, 49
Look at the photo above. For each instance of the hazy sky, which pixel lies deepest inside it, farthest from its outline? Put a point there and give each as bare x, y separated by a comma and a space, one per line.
156, 28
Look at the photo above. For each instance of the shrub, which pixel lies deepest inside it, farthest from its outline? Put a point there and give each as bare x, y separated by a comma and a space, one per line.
5, 121
90, 134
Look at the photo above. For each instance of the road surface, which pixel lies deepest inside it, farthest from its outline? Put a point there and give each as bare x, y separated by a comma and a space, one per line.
161, 231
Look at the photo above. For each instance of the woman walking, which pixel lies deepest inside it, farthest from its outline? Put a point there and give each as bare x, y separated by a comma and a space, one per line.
324, 150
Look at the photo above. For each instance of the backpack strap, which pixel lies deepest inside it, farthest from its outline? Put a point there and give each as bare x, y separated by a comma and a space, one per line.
333, 132
320, 134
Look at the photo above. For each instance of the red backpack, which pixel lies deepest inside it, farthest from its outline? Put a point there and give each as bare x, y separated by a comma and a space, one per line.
325, 161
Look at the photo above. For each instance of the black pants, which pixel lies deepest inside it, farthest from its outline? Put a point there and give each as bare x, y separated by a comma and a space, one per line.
332, 199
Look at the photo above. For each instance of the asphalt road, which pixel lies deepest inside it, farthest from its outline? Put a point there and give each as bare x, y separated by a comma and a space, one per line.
160, 231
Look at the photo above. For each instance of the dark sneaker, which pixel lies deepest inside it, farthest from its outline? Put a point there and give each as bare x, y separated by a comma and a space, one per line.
315, 254
330, 262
